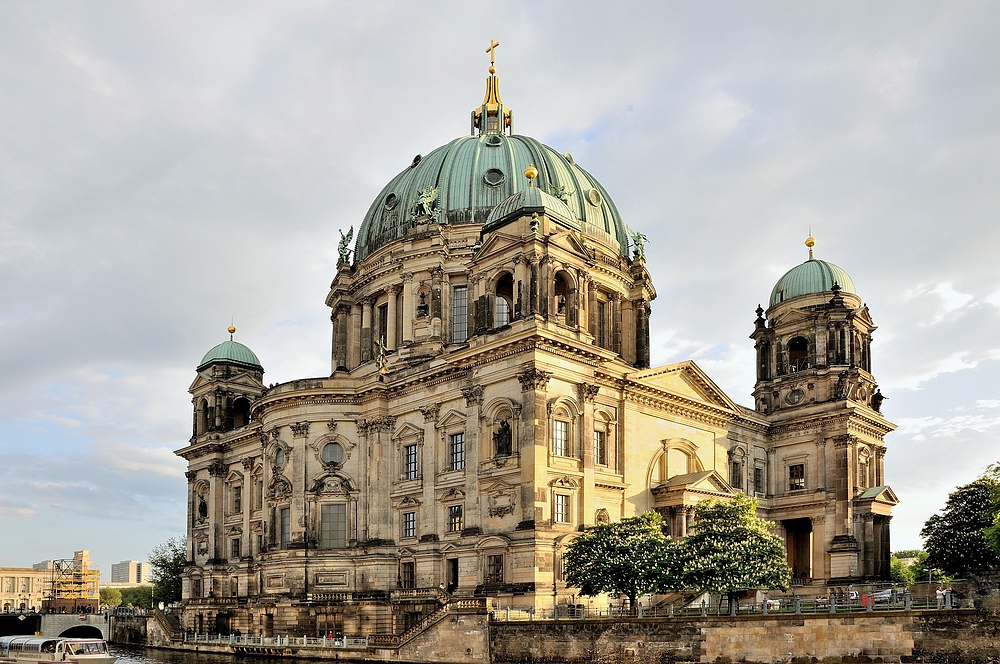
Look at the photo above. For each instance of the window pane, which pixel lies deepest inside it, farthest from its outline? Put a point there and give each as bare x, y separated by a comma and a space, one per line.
494, 569
455, 520
333, 526
406, 575
600, 449
559, 438
410, 462
758, 480
285, 527
459, 314
796, 477
561, 508
409, 524
457, 451
501, 312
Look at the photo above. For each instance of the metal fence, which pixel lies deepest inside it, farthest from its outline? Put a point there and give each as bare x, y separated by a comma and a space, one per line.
863, 603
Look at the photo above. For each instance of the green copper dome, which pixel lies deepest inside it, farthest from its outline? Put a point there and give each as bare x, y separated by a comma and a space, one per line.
463, 181
813, 276
233, 352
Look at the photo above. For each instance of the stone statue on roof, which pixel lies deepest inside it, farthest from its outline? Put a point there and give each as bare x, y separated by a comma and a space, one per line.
344, 247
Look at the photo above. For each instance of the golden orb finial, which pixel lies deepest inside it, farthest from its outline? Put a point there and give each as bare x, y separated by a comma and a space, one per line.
531, 173
232, 330
493, 69
810, 242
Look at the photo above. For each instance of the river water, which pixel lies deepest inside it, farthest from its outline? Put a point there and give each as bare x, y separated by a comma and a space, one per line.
134, 655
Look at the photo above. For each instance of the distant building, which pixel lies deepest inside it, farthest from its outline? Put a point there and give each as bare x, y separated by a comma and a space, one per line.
23, 588
130, 572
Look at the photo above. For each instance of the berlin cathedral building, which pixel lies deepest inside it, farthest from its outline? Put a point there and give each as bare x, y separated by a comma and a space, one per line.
490, 394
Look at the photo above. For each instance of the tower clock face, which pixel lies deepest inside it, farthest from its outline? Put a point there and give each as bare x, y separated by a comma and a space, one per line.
795, 396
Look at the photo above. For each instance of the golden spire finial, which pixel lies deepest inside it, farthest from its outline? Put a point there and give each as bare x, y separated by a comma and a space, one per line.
492, 117
531, 173
492, 51
810, 242
232, 331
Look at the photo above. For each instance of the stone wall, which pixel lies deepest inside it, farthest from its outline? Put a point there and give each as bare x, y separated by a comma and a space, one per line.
940, 636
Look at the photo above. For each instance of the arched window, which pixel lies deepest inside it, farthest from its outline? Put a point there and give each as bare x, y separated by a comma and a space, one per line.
202, 417
241, 412
504, 300
798, 354
864, 469
560, 290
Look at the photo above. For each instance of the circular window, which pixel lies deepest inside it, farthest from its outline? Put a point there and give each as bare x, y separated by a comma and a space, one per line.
494, 141
279, 458
594, 197
416, 160
332, 453
795, 396
493, 177
390, 201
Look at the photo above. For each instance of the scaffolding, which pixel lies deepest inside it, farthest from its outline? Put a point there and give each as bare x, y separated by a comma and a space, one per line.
74, 587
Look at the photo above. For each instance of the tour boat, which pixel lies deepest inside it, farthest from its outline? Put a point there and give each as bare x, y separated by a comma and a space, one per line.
54, 649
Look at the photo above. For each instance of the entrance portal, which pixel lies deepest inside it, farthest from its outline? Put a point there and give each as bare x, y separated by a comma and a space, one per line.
798, 545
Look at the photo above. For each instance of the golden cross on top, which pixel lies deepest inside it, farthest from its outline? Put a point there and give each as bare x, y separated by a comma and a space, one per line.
492, 49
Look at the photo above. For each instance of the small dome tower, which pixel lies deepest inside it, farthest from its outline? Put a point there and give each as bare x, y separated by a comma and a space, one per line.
229, 380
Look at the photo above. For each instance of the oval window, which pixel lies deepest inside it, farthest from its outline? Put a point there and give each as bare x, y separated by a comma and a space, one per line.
332, 453
390, 201
416, 160
279, 458
493, 177
594, 197
494, 141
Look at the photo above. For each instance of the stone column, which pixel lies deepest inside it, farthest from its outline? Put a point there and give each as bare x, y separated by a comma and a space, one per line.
641, 334
682, 513
616, 323
533, 444
446, 312
341, 324
629, 328
821, 451
366, 330
880, 466
474, 415
818, 547
867, 545
217, 508
533, 285
409, 312
192, 512
390, 328
771, 470
544, 287
587, 395
429, 522
592, 307
354, 337
246, 546
520, 288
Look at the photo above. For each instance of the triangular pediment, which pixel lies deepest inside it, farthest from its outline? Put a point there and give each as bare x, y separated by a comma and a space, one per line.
407, 431
880, 494
498, 243
452, 418
686, 379
706, 480
570, 241
242, 379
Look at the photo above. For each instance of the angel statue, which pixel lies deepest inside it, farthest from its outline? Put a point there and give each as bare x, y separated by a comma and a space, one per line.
638, 243
425, 203
343, 247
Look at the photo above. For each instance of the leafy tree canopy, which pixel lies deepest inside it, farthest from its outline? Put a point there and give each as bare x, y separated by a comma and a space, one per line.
167, 562
632, 557
955, 538
907, 553
140, 596
111, 597
900, 572
732, 549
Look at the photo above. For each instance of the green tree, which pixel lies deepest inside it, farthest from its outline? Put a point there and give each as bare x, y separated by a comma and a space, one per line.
140, 596
632, 557
111, 597
920, 571
167, 562
733, 550
955, 538
900, 572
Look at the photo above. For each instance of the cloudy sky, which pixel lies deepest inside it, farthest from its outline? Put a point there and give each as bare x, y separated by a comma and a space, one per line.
169, 167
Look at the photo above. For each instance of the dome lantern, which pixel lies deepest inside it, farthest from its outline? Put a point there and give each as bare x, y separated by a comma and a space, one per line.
492, 117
